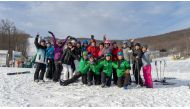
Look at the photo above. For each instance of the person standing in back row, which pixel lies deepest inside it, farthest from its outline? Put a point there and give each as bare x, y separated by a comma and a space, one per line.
50, 61
58, 49
147, 67
137, 63
40, 59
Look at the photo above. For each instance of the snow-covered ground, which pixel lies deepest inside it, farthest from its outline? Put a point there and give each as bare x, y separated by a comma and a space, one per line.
20, 90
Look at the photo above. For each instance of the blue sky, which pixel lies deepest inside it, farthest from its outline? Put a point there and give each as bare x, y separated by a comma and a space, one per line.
118, 20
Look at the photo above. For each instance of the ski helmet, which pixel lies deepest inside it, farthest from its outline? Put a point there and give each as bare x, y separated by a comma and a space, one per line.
120, 53
85, 42
90, 55
125, 42
107, 42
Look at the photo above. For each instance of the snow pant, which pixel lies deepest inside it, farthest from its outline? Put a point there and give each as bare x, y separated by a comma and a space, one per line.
105, 79
91, 76
50, 68
115, 76
124, 80
147, 76
40, 71
67, 72
136, 73
57, 73
75, 78
73, 67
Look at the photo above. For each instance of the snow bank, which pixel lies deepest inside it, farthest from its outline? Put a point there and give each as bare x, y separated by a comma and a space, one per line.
20, 90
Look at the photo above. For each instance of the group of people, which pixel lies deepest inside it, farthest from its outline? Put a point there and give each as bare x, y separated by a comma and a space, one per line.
65, 61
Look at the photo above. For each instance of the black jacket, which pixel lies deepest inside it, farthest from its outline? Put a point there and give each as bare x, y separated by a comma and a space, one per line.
68, 57
137, 57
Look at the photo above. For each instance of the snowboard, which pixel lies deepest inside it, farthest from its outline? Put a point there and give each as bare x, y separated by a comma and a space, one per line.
17, 73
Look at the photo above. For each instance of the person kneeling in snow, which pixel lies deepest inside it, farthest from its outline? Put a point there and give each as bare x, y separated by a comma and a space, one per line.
123, 68
94, 72
106, 74
83, 69
147, 67
40, 59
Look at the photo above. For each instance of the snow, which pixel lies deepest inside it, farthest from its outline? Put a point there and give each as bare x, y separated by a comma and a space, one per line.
20, 90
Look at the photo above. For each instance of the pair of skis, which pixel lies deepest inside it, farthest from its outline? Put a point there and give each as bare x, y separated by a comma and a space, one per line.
161, 73
18, 73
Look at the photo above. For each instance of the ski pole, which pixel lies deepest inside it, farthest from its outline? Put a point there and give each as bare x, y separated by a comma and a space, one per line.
160, 70
156, 70
164, 69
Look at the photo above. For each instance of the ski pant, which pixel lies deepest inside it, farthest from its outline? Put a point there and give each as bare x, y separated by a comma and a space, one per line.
75, 78
50, 68
40, 71
147, 76
105, 79
67, 72
115, 76
57, 73
73, 66
124, 80
91, 76
136, 73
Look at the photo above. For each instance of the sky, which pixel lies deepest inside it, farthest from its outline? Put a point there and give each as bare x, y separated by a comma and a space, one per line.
118, 20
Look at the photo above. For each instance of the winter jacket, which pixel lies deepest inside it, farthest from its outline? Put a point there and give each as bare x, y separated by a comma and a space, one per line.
68, 57
121, 67
100, 52
93, 50
50, 52
146, 58
78, 51
94, 67
83, 66
107, 50
58, 50
41, 52
127, 53
114, 53
107, 67
137, 57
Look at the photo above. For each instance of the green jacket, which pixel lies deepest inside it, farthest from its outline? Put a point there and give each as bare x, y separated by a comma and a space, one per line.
107, 67
121, 67
83, 66
94, 67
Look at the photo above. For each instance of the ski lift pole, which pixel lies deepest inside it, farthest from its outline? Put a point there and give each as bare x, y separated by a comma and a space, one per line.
160, 70
156, 70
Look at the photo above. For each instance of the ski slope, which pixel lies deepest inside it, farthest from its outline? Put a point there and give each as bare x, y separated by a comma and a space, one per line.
20, 90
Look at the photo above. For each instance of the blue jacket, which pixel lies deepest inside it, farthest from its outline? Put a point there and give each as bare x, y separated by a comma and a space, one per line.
50, 52
41, 52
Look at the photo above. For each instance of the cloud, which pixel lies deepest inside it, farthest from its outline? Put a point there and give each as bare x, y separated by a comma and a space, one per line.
119, 20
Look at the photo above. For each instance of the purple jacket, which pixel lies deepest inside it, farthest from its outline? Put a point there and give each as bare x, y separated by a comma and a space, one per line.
58, 50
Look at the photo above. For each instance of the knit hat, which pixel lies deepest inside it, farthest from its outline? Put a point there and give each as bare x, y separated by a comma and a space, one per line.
84, 53
108, 54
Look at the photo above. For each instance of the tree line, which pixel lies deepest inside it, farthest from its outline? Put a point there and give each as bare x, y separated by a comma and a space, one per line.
11, 38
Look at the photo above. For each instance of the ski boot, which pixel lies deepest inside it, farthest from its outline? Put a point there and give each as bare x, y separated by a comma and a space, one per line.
103, 85
125, 87
89, 83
